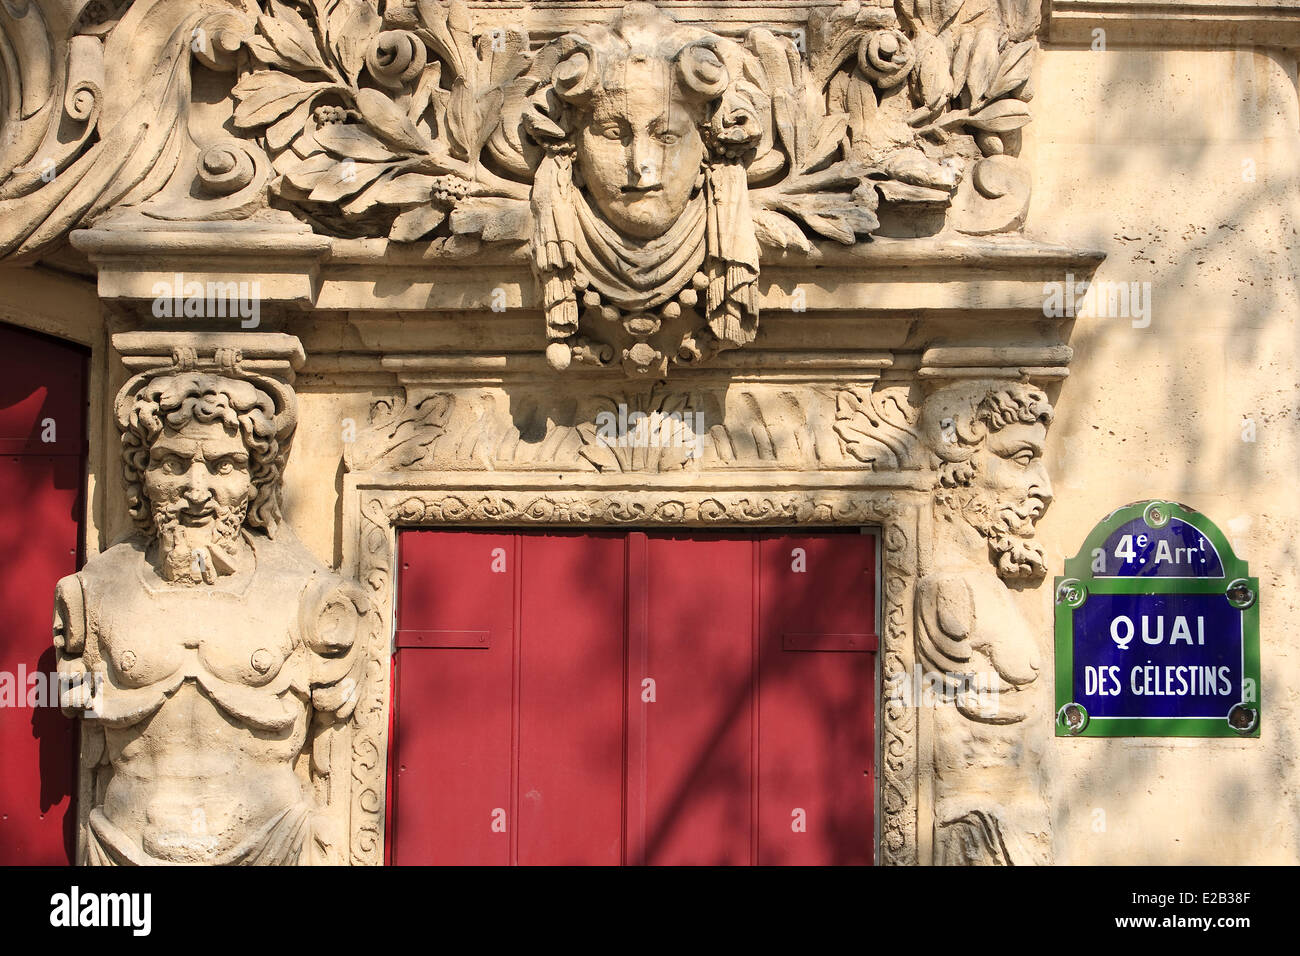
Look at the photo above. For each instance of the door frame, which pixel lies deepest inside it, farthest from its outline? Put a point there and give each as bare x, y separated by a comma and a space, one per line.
376, 504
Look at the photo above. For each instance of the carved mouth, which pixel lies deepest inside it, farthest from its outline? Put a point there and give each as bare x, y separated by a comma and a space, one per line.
192, 517
640, 190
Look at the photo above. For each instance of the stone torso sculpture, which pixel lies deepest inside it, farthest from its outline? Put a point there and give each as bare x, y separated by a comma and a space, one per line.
988, 440
203, 648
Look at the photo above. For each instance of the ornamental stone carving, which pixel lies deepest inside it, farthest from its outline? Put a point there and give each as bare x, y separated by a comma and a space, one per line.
647, 165
979, 656
210, 650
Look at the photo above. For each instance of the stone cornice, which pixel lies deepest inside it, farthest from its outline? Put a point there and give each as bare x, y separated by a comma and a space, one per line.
1267, 23
302, 270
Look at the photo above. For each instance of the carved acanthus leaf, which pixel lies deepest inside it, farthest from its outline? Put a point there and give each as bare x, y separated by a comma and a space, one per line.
400, 432
878, 426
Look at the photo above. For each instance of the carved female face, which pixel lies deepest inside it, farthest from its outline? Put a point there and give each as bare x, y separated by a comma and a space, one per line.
198, 476
640, 150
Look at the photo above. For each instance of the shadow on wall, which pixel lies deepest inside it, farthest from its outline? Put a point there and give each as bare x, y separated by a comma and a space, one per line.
1199, 204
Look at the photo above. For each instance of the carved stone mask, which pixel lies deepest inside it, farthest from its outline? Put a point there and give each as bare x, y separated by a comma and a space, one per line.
989, 443
639, 148
198, 474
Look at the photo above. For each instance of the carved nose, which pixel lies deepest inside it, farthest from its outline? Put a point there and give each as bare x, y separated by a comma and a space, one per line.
643, 169
196, 490
1044, 491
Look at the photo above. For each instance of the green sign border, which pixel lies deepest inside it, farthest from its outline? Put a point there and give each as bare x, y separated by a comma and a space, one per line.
1079, 569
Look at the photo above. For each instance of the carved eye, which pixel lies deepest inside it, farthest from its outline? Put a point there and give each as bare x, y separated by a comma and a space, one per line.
612, 132
1024, 458
668, 139
171, 465
225, 466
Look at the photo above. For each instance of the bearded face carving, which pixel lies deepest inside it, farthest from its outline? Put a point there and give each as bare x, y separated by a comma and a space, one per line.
987, 441
989, 444
209, 649
193, 442
641, 220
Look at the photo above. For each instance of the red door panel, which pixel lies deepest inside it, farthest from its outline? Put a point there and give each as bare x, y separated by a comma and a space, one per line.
452, 746
817, 674
698, 730
571, 700
646, 698
42, 395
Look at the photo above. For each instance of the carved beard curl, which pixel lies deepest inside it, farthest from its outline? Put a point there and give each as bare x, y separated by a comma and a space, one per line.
1008, 527
197, 555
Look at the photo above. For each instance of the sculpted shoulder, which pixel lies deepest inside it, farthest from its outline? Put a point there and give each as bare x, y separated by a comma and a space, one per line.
101, 570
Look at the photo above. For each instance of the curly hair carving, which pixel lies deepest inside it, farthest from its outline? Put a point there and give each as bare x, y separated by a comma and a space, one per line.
171, 401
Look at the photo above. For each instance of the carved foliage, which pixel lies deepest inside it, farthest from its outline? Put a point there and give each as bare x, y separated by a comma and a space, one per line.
878, 426
662, 430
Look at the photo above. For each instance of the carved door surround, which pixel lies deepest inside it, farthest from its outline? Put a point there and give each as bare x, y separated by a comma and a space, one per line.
882, 385
821, 421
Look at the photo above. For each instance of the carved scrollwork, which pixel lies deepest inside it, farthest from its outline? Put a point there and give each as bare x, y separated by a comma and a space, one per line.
648, 164
879, 426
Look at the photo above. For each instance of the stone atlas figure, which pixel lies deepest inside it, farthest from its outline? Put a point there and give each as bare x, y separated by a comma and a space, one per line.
987, 441
201, 649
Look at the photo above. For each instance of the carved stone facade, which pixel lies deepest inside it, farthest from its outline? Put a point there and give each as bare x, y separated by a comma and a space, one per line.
517, 262
209, 652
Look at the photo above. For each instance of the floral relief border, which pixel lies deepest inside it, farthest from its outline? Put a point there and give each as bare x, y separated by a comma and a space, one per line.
376, 506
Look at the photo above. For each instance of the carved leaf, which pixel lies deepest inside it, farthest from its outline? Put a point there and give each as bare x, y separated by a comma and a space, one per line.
352, 25
280, 133
354, 142
878, 426
833, 215
448, 28
595, 450
494, 218
983, 65
350, 179
503, 56
829, 138
933, 71
401, 431
416, 223
263, 50
788, 117
779, 232
392, 190
404, 190
832, 203
961, 57
1000, 116
1016, 65
265, 96
307, 174
289, 34
462, 120
1021, 17
387, 119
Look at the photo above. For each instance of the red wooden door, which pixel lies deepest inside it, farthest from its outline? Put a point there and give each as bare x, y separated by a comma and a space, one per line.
605, 698
42, 443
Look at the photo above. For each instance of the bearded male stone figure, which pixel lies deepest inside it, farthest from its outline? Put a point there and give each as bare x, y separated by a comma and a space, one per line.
987, 440
212, 636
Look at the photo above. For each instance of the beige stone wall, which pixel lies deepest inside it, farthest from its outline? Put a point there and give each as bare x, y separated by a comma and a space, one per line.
1181, 166
1148, 154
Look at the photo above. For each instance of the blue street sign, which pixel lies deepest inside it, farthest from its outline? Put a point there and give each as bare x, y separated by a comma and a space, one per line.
1157, 630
